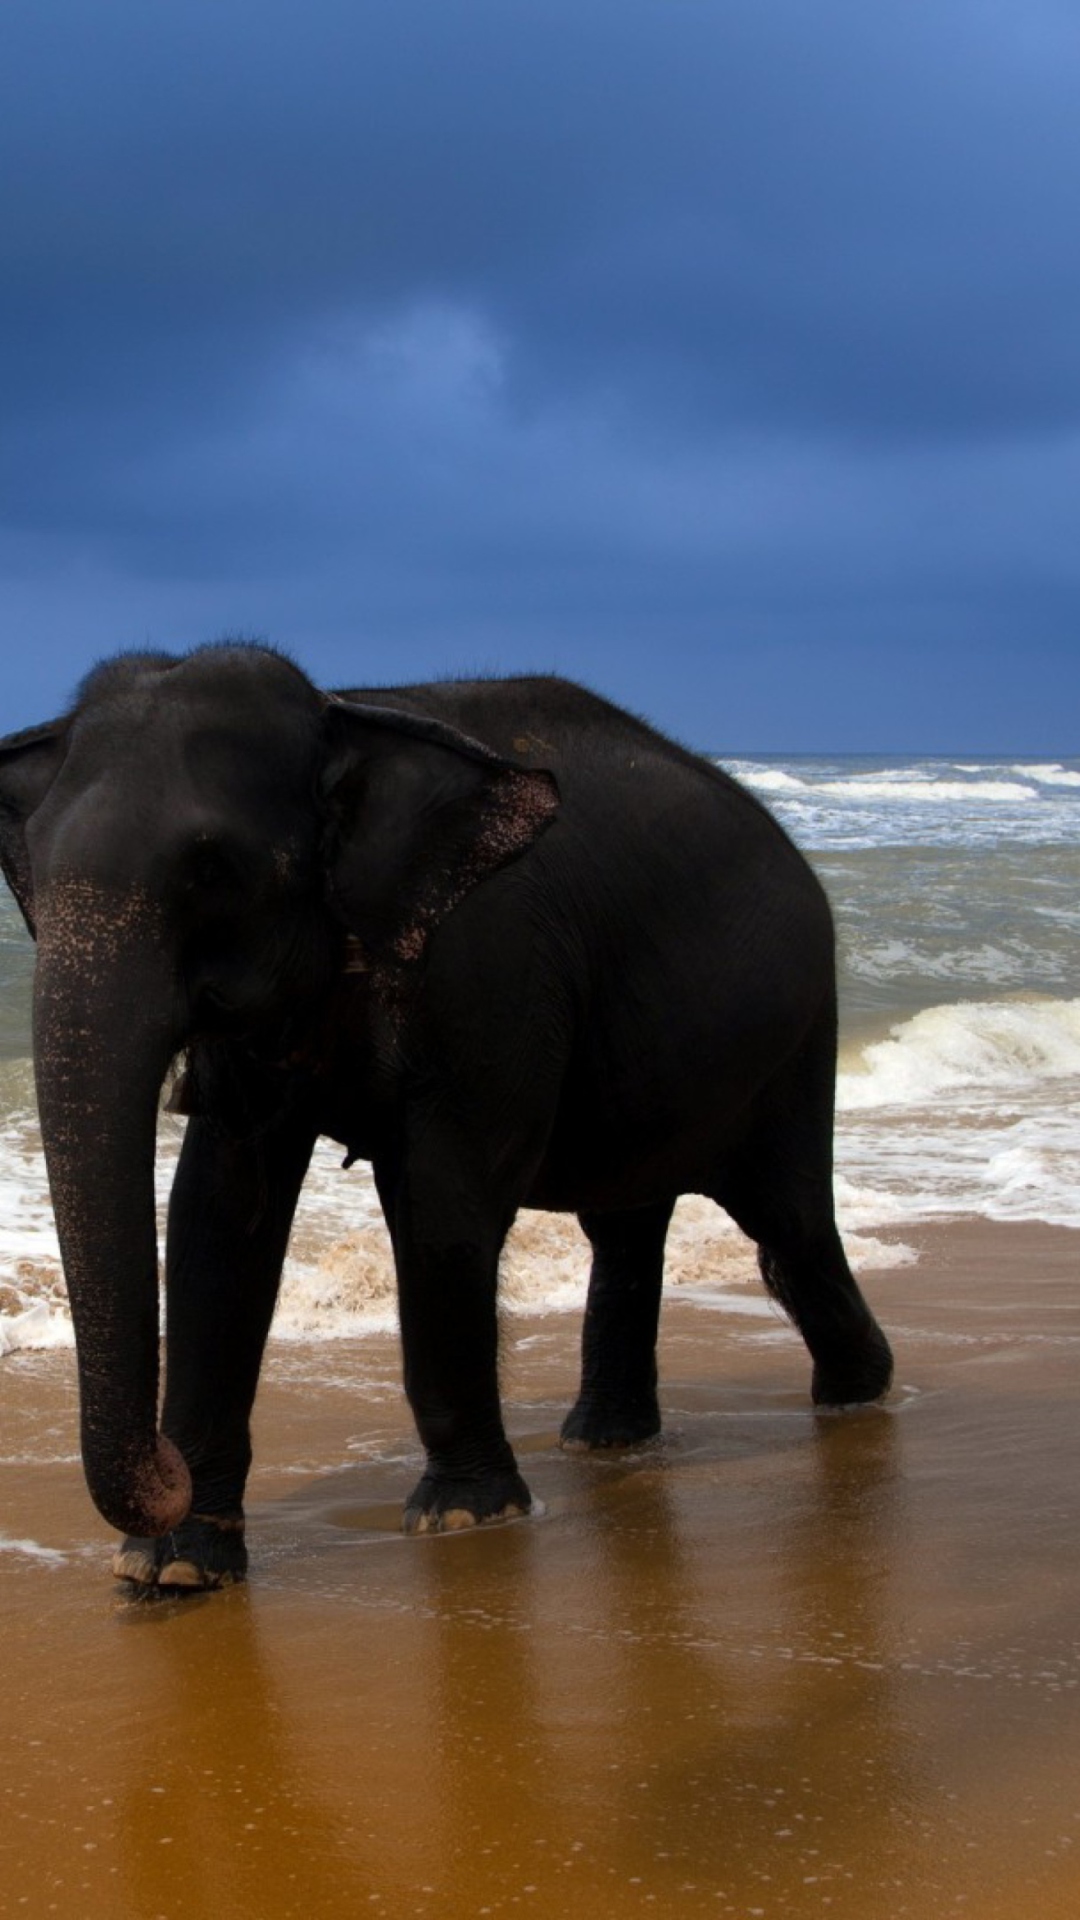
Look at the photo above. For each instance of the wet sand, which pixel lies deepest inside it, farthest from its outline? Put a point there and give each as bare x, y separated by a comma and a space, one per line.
779, 1665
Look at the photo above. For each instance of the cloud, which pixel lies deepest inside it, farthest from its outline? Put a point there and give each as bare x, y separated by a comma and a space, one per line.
833, 215
576, 324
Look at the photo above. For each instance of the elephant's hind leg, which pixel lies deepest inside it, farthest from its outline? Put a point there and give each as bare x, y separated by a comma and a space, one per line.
804, 1267
778, 1188
617, 1405
816, 1288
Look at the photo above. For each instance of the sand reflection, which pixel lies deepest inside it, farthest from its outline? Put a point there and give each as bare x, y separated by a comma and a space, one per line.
620, 1716
783, 1665
217, 1809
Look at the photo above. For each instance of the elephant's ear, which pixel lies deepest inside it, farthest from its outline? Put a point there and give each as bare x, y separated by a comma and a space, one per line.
419, 815
28, 765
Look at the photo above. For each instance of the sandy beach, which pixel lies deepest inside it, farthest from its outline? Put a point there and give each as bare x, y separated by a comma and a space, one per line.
779, 1665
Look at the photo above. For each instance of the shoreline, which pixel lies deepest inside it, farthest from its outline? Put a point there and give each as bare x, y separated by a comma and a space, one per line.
781, 1664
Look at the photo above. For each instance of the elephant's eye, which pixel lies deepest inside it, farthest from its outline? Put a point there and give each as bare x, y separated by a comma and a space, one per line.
207, 868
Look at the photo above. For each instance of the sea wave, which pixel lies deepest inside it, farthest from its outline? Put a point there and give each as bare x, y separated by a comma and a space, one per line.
339, 1277
1003, 1045
971, 1109
1000, 964
928, 791
949, 1114
880, 803
1052, 775
931, 789
1003, 1160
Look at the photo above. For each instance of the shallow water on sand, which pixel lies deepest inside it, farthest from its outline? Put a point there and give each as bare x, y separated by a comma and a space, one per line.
780, 1665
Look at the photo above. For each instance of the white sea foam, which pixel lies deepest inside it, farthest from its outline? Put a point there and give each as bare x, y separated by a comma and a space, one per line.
927, 792
837, 803
998, 1045
953, 1113
770, 779
35, 1327
31, 1550
927, 781
1051, 775
996, 1161
969, 1109
339, 1277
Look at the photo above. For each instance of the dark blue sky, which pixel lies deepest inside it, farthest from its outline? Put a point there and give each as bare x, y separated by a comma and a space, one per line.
722, 353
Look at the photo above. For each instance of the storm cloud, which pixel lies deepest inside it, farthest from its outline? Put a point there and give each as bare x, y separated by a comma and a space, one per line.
726, 356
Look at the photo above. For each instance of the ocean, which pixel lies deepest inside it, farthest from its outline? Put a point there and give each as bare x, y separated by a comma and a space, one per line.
956, 890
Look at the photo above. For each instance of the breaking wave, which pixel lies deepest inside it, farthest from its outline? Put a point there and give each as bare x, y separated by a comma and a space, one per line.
998, 1046
853, 802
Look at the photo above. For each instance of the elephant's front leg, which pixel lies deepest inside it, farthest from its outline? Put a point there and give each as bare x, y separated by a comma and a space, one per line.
448, 1235
230, 1214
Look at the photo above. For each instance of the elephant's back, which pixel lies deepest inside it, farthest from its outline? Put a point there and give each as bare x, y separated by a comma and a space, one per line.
661, 879
618, 776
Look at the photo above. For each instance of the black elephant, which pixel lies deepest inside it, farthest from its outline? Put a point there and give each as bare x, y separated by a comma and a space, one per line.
497, 937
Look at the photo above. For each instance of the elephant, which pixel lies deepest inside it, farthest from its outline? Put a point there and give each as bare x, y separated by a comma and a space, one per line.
499, 938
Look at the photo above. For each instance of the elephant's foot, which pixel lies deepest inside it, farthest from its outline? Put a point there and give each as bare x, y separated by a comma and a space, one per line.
852, 1379
448, 1506
593, 1425
206, 1551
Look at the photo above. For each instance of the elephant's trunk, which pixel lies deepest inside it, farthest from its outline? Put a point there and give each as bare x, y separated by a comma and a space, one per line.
104, 1033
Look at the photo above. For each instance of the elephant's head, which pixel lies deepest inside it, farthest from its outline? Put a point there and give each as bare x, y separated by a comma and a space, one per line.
191, 846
